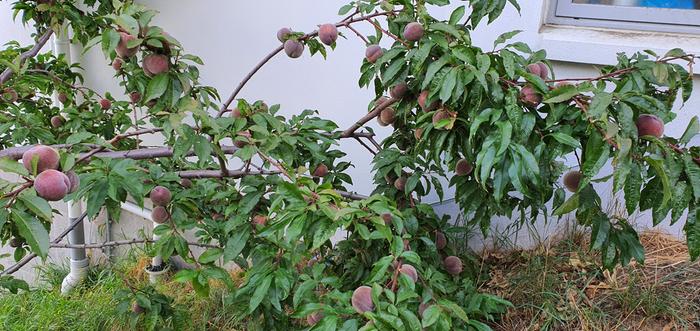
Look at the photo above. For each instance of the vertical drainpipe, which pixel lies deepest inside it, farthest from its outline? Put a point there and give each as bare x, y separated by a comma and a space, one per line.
157, 267
78, 258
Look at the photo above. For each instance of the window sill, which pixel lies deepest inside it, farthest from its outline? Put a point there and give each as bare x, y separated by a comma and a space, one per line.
600, 46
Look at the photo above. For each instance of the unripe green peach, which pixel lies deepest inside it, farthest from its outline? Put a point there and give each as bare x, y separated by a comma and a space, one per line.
388, 116
572, 180
400, 183
423, 99
105, 104
9, 95
530, 97
440, 240
122, 49
463, 167
57, 121
362, 299
453, 265
47, 158
409, 271
328, 34
52, 185
413, 31
117, 64
160, 196
373, 53
321, 171
160, 215
155, 64
650, 125
399, 90
283, 34
293, 48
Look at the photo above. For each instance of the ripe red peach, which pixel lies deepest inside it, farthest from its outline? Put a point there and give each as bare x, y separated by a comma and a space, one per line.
16, 242
242, 143
155, 64
328, 34
74, 181
160, 196
453, 265
314, 318
293, 48
283, 34
388, 218
47, 158
57, 121
418, 133
362, 299
388, 116
136, 309
539, 69
399, 90
52, 185
160, 215
439, 116
186, 183
259, 221
409, 271
463, 167
135, 97
321, 171
440, 240
117, 64
530, 97
105, 104
62, 98
373, 53
650, 125
572, 180
122, 49
423, 99
400, 183
236, 113
413, 31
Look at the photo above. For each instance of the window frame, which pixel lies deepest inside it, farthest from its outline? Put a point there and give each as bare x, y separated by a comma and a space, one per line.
624, 17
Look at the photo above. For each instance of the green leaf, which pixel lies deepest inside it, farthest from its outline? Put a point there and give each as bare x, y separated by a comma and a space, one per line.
235, 244
457, 15
633, 187
128, 23
599, 105
433, 69
658, 165
260, 293
455, 309
37, 205
430, 315
505, 36
448, 84
33, 232
690, 132
9, 165
568, 206
157, 86
566, 139
561, 94
211, 255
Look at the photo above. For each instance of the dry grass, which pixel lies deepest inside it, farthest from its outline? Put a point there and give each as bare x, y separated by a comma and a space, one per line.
561, 287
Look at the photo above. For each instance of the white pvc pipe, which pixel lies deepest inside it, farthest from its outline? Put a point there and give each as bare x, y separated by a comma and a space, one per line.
157, 260
78, 259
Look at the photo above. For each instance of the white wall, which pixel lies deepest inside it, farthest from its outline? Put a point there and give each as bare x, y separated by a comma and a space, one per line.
232, 36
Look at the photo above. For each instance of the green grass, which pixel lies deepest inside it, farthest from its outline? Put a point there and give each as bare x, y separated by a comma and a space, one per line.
92, 306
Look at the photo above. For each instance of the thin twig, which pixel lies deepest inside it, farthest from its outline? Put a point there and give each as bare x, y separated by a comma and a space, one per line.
123, 243
5, 76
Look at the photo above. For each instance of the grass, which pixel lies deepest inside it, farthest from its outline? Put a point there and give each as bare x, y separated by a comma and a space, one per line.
561, 287
93, 307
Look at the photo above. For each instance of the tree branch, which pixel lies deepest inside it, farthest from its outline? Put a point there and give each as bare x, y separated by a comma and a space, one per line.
5, 76
123, 243
374, 113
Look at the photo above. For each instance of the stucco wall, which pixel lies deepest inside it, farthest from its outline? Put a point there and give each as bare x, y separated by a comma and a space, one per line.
232, 36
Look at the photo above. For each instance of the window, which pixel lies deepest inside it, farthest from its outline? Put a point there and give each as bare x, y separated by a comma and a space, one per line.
655, 15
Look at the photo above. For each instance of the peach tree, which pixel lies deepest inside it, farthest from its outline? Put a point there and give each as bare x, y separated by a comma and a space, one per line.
269, 193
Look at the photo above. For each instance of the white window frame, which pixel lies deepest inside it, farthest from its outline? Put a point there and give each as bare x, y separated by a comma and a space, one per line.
565, 12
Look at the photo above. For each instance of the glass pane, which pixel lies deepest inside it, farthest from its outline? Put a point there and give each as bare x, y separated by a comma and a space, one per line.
674, 4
